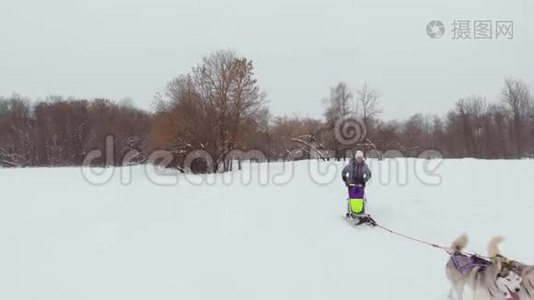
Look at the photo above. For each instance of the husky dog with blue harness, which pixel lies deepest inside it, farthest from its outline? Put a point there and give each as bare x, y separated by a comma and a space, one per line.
488, 279
356, 175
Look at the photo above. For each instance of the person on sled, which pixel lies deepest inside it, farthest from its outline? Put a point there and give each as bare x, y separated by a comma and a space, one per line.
356, 175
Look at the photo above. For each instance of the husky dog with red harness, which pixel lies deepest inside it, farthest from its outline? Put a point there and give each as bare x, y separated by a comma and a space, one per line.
488, 279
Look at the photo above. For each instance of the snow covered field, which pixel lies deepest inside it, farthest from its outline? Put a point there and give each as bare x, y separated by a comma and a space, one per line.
62, 237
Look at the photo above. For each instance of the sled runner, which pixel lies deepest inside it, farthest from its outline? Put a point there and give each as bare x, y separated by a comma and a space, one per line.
356, 220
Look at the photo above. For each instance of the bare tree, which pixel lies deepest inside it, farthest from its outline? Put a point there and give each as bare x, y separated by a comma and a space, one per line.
415, 134
60, 132
338, 104
516, 97
232, 96
211, 108
338, 107
388, 135
367, 102
469, 113
16, 127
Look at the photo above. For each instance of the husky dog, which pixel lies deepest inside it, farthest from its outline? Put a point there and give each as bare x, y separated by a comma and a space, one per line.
488, 279
525, 272
527, 275
511, 285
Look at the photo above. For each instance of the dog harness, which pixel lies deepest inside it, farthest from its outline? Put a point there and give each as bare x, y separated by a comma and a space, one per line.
466, 263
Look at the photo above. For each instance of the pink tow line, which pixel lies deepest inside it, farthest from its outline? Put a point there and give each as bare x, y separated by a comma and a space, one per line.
433, 245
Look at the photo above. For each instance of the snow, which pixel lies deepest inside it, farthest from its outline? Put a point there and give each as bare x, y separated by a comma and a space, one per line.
276, 236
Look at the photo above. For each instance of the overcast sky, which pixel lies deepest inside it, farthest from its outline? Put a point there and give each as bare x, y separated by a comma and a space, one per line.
132, 48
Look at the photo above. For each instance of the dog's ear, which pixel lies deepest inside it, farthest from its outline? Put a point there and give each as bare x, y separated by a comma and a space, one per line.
504, 271
493, 246
498, 264
505, 261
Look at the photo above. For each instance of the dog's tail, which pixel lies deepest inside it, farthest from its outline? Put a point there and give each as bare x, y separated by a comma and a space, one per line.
460, 243
493, 246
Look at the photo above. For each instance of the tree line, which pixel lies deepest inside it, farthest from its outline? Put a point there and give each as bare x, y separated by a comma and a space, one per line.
211, 117
61, 132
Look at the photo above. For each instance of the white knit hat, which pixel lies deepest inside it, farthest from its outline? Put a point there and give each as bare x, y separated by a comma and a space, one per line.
359, 155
